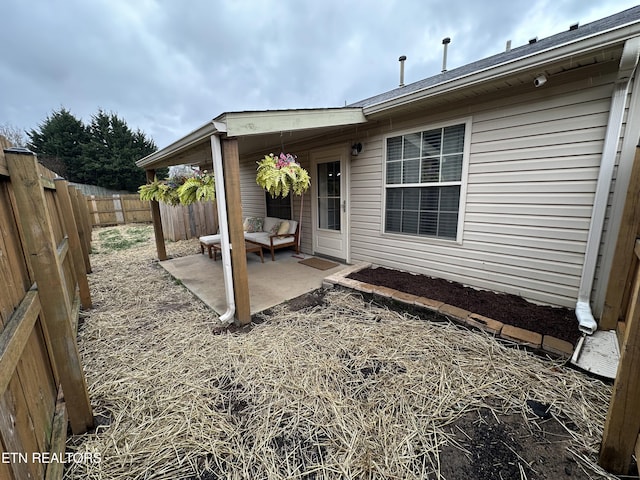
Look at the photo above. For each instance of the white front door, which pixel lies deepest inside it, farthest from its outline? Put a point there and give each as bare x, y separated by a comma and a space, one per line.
329, 210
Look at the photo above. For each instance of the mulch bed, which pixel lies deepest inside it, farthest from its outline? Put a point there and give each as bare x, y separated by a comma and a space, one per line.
508, 309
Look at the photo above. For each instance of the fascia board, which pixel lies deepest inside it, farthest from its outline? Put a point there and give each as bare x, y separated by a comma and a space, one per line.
272, 121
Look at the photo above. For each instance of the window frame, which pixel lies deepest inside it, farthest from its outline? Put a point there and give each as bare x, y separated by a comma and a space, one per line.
463, 182
288, 199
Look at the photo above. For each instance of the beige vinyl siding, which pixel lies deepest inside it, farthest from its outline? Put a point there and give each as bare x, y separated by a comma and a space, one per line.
253, 199
533, 166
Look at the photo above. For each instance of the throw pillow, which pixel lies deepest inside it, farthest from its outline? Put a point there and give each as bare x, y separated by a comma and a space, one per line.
254, 224
284, 228
274, 229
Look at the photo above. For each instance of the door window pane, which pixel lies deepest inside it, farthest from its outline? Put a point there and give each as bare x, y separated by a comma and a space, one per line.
329, 195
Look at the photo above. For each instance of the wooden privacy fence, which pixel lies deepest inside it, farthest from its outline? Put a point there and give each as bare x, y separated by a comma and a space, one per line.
622, 311
184, 222
178, 222
44, 259
118, 210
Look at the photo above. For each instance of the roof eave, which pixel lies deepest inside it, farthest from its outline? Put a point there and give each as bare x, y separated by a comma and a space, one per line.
495, 72
186, 142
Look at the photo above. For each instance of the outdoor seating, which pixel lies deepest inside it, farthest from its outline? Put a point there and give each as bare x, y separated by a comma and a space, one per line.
272, 233
208, 241
266, 232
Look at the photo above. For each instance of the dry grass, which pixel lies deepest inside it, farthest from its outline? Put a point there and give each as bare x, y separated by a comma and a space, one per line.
343, 390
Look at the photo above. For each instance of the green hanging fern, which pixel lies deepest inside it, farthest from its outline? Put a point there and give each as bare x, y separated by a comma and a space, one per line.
180, 190
158, 191
197, 189
280, 175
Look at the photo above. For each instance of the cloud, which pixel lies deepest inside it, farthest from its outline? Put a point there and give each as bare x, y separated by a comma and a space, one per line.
166, 67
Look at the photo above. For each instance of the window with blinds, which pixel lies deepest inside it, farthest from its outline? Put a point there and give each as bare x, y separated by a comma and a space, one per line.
423, 182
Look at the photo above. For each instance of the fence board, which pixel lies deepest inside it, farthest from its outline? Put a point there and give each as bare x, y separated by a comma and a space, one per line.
5, 469
58, 439
13, 338
66, 208
14, 427
184, 222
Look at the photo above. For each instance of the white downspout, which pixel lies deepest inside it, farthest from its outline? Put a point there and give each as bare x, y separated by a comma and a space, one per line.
221, 201
628, 62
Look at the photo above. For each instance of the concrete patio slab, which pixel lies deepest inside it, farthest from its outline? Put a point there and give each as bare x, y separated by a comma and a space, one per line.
270, 283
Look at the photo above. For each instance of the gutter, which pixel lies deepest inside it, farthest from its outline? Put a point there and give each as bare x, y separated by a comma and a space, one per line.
221, 202
628, 63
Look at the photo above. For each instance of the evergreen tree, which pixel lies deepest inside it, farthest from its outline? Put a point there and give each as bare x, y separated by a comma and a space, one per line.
102, 153
110, 154
58, 142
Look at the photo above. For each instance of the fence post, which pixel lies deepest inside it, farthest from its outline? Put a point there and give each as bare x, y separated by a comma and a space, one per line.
84, 230
40, 247
117, 209
95, 220
74, 240
624, 261
86, 216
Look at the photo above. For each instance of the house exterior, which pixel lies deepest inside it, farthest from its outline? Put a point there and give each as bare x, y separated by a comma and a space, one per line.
507, 174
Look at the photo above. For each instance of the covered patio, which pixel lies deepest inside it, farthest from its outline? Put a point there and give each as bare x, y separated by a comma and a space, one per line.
220, 143
270, 283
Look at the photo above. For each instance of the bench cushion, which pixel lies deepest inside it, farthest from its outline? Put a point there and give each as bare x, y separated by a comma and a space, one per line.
210, 239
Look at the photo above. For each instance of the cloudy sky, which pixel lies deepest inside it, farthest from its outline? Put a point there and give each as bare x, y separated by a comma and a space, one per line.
168, 66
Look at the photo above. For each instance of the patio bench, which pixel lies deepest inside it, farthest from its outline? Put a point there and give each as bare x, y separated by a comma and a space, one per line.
274, 234
208, 241
269, 235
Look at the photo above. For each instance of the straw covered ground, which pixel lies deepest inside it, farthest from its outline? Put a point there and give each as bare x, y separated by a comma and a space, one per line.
328, 386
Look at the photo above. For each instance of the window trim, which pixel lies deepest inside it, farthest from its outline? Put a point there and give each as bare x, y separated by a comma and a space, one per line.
464, 180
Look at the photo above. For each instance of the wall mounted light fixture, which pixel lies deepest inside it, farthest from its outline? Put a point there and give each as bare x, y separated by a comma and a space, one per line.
356, 149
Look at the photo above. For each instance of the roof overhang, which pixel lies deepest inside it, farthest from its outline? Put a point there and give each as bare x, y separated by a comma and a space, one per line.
567, 52
270, 124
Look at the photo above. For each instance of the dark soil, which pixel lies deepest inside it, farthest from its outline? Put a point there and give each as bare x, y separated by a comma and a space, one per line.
508, 446
508, 309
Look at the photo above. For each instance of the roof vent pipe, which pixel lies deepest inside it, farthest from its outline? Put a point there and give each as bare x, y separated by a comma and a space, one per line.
574, 26
508, 47
445, 41
401, 60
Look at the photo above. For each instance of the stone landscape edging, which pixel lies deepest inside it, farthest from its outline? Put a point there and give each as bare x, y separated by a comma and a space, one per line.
474, 321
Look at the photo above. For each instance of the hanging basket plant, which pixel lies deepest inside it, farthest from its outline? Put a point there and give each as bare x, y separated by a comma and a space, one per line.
181, 190
282, 174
